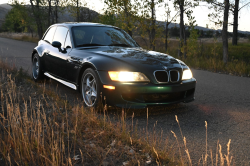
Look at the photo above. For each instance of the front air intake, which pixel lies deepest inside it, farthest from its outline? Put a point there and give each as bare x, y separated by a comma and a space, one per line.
174, 75
161, 76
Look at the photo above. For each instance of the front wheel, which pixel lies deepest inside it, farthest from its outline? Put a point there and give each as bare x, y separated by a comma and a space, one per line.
37, 73
90, 88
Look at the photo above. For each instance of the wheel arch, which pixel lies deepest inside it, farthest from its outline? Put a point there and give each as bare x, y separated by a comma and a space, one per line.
36, 51
33, 53
85, 66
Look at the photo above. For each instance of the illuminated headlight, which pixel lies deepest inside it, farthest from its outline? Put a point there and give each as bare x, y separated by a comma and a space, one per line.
187, 74
125, 76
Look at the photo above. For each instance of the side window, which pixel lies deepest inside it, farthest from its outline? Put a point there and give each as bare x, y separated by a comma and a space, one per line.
68, 41
49, 36
60, 35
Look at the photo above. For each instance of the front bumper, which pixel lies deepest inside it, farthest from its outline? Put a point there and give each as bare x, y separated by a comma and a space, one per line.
142, 95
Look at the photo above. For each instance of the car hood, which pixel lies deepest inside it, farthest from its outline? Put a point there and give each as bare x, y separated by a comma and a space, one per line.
112, 58
140, 58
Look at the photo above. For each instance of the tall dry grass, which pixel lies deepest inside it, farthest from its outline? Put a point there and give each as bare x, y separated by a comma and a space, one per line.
39, 128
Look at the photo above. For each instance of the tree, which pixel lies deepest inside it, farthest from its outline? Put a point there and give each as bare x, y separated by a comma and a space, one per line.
56, 4
13, 20
36, 11
192, 44
169, 20
218, 7
153, 26
19, 19
224, 32
235, 11
125, 12
49, 11
147, 20
75, 7
184, 7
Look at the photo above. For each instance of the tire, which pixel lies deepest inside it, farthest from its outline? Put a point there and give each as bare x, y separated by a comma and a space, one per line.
90, 88
37, 73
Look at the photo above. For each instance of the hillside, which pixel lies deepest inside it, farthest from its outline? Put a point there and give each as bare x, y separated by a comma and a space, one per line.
88, 15
4, 8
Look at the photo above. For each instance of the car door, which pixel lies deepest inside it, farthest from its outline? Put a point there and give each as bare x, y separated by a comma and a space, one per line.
71, 72
58, 57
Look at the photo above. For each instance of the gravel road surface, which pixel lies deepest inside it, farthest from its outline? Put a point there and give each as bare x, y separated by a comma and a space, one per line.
221, 100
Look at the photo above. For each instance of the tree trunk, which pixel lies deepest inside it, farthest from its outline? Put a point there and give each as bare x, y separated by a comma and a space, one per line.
185, 43
77, 11
56, 10
36, 13
166, 36
181, 27
224, 32
89, 16
49, 12
128, 28
152, 41
235, 25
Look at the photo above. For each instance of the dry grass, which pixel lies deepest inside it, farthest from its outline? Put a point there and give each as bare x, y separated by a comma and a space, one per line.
20, 36
39, 128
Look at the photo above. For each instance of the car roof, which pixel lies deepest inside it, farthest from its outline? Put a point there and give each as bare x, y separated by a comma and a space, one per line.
73, 24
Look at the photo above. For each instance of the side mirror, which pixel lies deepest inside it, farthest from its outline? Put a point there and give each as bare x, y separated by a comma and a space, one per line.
56, 44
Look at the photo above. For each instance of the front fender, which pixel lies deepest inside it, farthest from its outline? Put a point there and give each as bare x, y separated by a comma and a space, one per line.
40, 49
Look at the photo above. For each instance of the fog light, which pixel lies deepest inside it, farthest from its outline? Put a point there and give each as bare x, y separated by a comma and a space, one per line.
109, 87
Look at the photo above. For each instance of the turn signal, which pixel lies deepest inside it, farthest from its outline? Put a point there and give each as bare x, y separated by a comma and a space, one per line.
109, 87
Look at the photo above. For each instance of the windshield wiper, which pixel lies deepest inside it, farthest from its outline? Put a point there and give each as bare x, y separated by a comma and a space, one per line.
123, 45
86, 45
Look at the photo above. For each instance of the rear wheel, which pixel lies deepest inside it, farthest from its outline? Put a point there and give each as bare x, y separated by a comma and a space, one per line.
90, 88
37, 73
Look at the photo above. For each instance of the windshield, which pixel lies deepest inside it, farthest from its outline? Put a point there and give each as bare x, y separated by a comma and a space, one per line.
101, 36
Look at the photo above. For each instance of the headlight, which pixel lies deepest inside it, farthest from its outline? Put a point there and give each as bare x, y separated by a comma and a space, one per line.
125, 76
187, 74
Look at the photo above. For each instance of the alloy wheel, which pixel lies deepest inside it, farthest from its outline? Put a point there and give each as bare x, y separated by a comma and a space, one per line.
89, 89
35, 67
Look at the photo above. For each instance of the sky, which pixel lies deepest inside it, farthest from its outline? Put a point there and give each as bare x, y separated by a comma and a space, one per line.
200, 13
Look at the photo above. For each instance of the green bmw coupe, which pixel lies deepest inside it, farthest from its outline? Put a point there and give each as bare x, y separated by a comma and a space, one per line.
103, 61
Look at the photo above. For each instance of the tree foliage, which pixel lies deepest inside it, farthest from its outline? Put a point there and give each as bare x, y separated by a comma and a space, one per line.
221, 9
168, 20
35, 16
16, 19
185, 7
192, 43
123, 11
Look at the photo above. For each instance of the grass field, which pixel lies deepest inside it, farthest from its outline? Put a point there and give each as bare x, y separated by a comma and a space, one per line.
37, 127
208, 55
